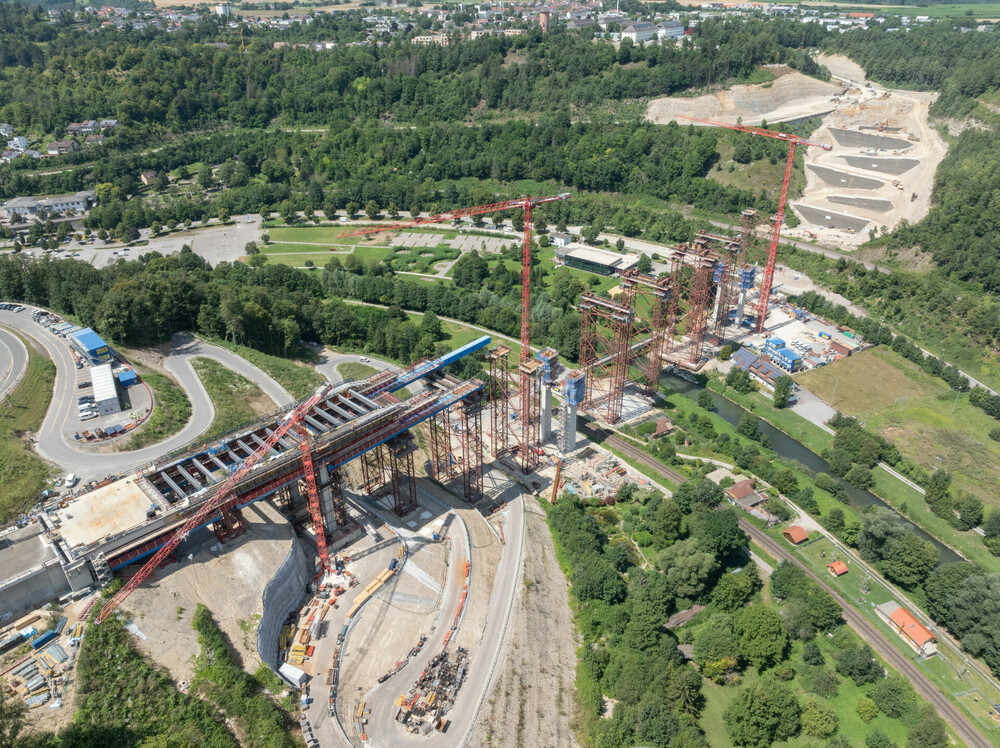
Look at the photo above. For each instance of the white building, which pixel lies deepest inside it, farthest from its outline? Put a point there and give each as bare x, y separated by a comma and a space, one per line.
670, 30
105, 390
223, 10
28, 207
639, 32
19, 144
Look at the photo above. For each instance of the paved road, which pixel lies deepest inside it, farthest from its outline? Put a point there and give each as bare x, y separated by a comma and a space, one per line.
54, 442
13, 361
329, 360
958, 721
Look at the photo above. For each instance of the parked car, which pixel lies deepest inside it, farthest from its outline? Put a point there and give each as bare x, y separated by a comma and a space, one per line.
83, 385
70, 480
88, 416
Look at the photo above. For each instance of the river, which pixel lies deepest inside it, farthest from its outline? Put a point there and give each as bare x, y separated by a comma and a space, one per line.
789, 449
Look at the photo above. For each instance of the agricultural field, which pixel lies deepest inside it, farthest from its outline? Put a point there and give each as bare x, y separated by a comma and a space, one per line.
918, 413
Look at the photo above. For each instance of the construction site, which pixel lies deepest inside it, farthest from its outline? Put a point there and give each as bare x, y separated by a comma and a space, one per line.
882, 152
376, 543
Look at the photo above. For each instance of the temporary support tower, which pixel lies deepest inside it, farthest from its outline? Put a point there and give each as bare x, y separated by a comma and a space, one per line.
527, 435
793, 141
606, 330
404, 485
499, 400
655, 303
472, 450
442, 460
698, 311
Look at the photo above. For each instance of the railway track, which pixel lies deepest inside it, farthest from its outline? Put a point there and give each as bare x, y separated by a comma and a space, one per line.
963, 728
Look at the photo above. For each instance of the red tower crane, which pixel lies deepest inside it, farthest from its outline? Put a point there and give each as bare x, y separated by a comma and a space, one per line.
793, 141
199, 518
528, 414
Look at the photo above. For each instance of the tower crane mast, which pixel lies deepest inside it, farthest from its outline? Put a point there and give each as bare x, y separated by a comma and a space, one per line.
224, 492
772, 253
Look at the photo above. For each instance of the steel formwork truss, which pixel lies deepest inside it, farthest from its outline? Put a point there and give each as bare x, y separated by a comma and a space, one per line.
404, 484
472, 451
606, 331
499, 400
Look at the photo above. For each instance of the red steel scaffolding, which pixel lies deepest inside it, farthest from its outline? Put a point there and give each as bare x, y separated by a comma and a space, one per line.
606, 331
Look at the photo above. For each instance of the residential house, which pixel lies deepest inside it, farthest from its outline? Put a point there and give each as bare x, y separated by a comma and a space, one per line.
109, 124
61, 147
664, 427
19, 144
92, 141
6, 130
148, 177
559, 240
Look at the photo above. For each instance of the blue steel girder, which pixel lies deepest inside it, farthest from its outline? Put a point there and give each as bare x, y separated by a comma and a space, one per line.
414, 411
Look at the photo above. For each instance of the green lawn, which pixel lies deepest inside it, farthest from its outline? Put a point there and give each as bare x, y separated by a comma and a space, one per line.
958, 11
918, 413
942, 669
318, 259
171, 411
294, 248
355, 370
22, 473
850, 725
231, 395
298, 379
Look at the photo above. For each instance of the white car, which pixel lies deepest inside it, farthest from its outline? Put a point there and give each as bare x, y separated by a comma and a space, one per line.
88, 416
70, 480
364, 359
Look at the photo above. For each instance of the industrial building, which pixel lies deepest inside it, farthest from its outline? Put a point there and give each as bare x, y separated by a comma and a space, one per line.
595, 260
106, 398
90, 345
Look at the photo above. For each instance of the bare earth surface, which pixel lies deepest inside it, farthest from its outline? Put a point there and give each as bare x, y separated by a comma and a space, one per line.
791, 96
904, 114
230, 583
532, 703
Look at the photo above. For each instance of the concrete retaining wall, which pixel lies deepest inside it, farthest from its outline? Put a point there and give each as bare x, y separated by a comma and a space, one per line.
282, 595
31, 588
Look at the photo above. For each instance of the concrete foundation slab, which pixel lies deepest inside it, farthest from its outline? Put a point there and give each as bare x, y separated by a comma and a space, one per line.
106, 511
855, 139
878, 204
895, 166
827, 218
844, 179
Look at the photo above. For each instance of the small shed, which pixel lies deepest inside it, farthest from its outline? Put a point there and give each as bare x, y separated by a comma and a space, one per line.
837, 568
127, 378
795, 534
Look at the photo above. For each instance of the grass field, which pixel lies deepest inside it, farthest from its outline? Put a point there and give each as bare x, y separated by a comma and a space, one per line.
918, 413
300, 380
326, 235
958, 11
171, 411
237, 400
355, 370
22, 473
942, 669
850, 725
